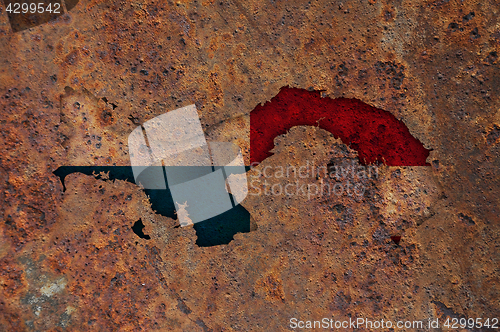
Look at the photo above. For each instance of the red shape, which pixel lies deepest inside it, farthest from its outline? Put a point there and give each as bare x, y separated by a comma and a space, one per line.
396, 239
376, 134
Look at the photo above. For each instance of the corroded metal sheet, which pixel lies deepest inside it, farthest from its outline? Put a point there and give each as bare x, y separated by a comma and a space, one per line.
413, 243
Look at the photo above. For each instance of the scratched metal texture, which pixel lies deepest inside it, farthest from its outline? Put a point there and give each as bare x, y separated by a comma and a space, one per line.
71, 90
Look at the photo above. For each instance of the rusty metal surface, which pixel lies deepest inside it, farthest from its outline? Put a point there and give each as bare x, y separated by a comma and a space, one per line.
71, 91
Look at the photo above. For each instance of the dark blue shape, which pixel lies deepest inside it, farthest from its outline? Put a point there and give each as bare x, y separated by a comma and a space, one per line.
211, 232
